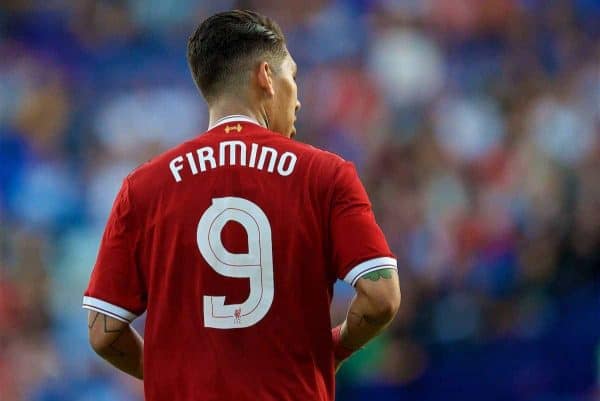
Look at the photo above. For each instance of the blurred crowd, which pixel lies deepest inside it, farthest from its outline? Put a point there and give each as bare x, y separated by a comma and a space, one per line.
475, 126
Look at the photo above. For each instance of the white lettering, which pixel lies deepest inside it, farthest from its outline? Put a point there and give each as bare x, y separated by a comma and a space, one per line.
263, 156
192, 163
206, 154
290, 168
176, 165
252, 162
232, 145
234, 153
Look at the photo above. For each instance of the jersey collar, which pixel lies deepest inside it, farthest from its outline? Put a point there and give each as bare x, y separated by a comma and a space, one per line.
233, 118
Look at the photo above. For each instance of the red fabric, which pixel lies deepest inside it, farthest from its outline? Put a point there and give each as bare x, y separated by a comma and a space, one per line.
321, 226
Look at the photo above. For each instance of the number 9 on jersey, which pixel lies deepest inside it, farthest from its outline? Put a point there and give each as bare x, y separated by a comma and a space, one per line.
256, 265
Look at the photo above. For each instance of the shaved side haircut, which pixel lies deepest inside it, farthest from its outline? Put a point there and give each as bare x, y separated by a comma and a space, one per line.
225, 47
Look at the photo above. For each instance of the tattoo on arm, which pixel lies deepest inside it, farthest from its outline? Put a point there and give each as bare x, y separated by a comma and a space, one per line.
377, 274
358, 318
117, 343
113, 347
362, 320
92, 322
119, 331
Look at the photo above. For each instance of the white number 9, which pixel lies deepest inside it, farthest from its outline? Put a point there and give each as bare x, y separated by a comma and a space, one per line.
256, 265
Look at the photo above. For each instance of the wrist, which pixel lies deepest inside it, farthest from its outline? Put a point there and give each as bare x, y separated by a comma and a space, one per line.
340, 351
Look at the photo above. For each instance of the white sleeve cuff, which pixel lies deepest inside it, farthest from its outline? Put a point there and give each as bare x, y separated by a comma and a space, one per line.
108, 309
369, 266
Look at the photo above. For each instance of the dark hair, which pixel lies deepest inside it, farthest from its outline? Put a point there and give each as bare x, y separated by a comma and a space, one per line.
227, 45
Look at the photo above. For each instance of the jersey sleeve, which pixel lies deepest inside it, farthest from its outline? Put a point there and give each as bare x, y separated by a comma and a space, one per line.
116, 286
358, 244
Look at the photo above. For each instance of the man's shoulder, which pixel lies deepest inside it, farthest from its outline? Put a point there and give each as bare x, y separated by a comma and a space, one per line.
320, 156
152, 171
326, 163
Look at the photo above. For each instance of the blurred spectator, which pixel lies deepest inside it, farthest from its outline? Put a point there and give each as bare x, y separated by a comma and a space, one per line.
407, 65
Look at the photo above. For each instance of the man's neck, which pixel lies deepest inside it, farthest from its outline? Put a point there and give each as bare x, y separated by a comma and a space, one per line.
231, 108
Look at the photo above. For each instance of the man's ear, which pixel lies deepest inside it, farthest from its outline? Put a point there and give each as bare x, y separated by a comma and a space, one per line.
264, 75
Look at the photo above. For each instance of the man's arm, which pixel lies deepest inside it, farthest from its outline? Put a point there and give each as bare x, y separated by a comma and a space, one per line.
376, 303
117, 342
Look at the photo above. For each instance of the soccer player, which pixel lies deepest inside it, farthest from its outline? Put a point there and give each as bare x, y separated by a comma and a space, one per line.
232, 241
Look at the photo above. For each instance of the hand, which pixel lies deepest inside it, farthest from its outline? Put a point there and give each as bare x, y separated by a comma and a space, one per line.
340, 352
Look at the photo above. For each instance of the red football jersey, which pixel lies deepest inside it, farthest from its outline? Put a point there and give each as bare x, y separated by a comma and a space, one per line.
232, 242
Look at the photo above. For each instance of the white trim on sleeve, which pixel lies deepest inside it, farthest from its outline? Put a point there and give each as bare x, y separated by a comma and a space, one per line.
108, 309
369, 266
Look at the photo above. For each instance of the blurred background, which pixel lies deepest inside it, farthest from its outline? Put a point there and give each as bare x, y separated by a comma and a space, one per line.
475, 126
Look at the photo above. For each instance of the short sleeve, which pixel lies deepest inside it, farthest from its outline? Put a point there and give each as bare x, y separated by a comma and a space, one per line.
358, 244
116, 286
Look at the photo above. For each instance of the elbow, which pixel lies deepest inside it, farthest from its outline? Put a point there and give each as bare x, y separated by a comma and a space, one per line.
98, 343
388, 307
385, 306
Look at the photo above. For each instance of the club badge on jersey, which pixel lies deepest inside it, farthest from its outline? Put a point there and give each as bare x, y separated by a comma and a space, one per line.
229, 128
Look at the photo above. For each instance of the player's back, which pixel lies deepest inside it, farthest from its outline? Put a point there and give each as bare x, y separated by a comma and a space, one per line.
234, 255
232, 242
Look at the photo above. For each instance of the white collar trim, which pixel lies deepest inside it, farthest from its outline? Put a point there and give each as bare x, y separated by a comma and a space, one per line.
233, 118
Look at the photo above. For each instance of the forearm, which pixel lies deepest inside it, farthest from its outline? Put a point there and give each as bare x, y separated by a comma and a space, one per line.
362, 324
118, 343
371, 311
